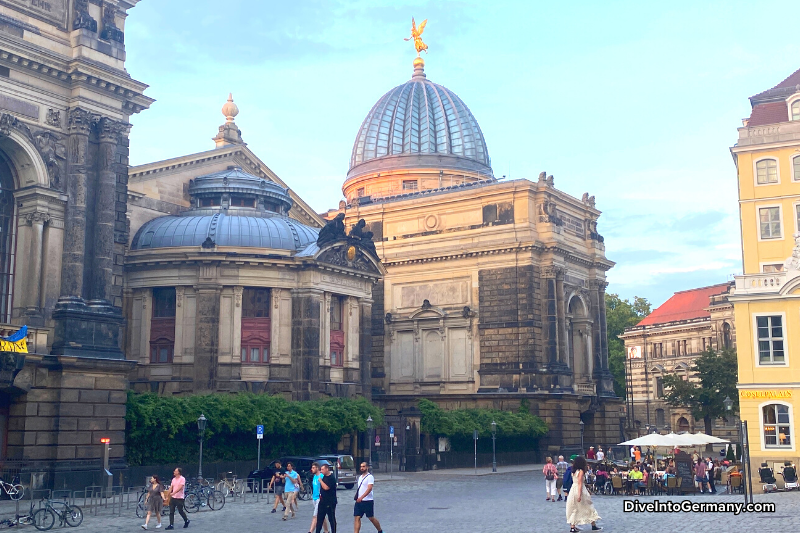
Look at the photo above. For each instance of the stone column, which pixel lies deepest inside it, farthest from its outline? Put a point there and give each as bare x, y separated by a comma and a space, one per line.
206, 337
551, 315
365, 346
563, 357
306, 314
109, 132
36, 221
72, 264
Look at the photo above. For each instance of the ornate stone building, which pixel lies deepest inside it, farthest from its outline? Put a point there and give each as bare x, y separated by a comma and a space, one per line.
65, 100
229, 287
667, 341
494, 291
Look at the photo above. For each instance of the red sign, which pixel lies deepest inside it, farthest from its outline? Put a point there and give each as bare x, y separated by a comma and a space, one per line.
105, 440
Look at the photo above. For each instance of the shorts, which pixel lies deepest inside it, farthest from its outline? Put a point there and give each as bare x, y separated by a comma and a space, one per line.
700, 479
365, 507
279, 489
316, 507
559, 483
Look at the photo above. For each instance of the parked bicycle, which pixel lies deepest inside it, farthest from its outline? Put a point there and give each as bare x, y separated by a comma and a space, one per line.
14, 490
306, 491
71, 515
232, 486
198, 497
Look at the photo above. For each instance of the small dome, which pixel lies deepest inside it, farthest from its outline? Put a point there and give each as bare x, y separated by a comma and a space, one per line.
235, 181
190, 229
419, 124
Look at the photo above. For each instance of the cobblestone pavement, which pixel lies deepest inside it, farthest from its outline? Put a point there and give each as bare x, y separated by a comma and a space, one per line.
503, 502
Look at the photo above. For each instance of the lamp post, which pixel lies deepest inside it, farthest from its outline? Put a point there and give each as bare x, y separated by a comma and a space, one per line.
582, 450
494, 449
201, 427
369, 437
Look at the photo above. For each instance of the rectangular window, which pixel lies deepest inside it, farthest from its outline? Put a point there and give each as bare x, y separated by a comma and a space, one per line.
660, 388
409, 185
769, 269
336, 313
660, 418
241, 201
796, 167
161, 353
360, 192
777, 426
255, 354
164, 302
770, 340
796, 110
210, 202
797, 211
767, 171
255, 302
769, 219
336, 358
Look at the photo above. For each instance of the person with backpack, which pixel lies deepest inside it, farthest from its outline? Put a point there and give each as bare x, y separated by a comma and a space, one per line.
550, 474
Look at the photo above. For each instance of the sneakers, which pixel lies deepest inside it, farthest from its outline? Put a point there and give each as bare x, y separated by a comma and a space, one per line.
273, 511
144, 526
186, 524
574, 530
596, 528
158, 526
283, 518
169, 527
560, 498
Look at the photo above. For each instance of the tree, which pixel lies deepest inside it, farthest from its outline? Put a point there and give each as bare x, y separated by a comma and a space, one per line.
715, 376
621, 314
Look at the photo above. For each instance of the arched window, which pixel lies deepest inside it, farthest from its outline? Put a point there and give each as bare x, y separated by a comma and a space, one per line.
7, 245
726, 335
766, 171
796, 110
776, 425
683, 424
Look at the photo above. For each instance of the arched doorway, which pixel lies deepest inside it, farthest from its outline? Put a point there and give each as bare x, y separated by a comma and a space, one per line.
683, 425
7, 238
580, 341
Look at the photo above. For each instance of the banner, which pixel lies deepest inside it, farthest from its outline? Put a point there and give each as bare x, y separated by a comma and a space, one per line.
18, 342
634, 352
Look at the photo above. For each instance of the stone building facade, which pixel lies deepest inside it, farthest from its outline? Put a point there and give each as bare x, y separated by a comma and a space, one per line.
229, 288
668, 341
65, 101
494, 291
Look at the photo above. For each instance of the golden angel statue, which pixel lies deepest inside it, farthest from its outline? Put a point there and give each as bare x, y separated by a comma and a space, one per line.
416, 34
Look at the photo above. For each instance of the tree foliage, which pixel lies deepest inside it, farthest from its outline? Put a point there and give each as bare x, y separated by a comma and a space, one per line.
621, 314
164, 429
463, 422
717, 374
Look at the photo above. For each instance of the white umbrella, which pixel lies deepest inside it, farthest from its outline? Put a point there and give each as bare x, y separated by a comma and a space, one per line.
703, 438
656, 439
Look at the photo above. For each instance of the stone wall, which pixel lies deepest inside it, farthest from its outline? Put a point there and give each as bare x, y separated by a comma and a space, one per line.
378, 339
510, 326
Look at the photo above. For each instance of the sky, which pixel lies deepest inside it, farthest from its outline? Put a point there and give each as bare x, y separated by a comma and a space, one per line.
636, 103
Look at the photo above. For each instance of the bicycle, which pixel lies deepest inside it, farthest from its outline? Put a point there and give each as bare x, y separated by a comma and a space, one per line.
71, 515
306, 491
42, 518
14, 490
231, 486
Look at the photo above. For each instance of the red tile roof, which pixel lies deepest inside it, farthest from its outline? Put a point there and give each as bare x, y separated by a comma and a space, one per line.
791, 81
769, 113
684, 305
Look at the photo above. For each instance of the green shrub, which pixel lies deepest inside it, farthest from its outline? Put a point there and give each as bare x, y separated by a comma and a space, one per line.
164, 429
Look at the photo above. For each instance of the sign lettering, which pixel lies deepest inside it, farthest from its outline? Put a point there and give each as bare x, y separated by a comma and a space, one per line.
765, 394
52, 11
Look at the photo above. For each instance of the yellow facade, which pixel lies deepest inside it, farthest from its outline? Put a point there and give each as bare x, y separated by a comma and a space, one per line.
766, 297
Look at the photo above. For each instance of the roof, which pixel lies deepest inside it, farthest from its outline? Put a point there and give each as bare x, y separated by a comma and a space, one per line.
769, 113
793, 81
423, 121
685, 305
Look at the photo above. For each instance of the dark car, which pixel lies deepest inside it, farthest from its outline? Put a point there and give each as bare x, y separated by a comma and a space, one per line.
301, 464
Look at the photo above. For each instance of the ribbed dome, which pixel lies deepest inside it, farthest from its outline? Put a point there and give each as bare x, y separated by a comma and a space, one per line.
189, 229
419, 118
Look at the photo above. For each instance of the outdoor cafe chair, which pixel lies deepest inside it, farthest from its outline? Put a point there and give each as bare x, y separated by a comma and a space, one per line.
672, 484
616, 484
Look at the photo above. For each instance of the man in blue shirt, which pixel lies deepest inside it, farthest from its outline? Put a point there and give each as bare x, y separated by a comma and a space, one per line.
293, 485
316, 475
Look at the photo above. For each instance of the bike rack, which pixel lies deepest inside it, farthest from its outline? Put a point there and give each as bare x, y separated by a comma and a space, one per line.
265, 489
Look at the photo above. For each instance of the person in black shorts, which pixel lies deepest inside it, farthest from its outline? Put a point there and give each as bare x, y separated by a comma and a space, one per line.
327, 498
365, 501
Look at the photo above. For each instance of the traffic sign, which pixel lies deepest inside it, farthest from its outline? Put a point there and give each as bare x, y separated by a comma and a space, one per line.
377, 440
391, 431
259, 432
474, 434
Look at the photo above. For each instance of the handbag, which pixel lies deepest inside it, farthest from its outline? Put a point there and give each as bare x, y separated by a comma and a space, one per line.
167, 496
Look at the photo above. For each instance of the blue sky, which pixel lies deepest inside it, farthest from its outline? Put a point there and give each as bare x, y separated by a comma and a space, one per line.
635, 102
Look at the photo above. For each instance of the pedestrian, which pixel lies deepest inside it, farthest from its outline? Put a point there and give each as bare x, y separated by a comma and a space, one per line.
561, 467
590, 454
610, 453
600, 454
710, 471
365, 501
153, 502
315, 477
327, 498
637, 455
550, 474
277, 483
177, 499
580, 509
292, 488
700, 474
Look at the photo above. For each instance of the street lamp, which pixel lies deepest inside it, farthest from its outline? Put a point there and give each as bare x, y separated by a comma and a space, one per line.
369, 438
583, 452
728, 403
494, 450
201, 427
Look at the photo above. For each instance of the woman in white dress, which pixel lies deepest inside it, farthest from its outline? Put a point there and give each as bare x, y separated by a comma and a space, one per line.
579, 502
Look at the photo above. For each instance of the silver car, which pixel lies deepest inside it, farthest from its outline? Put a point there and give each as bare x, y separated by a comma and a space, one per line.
344, 468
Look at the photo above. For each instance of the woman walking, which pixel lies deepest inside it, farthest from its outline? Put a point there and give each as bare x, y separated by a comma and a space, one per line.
579, 503
153, 501
550, 475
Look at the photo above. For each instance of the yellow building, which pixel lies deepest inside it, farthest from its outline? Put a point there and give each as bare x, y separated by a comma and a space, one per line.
767, 296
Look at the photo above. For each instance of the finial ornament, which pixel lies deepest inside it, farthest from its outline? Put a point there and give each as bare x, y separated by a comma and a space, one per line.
230, 110
416, 34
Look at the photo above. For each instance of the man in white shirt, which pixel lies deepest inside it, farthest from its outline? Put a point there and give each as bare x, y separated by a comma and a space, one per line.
365, 504
600, 454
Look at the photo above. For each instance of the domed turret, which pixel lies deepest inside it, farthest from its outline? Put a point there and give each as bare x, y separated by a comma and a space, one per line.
418, 130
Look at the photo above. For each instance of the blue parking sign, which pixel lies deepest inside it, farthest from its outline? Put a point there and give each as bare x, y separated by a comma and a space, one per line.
391, 431
259, 432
